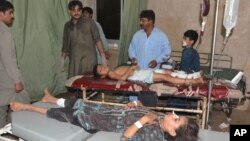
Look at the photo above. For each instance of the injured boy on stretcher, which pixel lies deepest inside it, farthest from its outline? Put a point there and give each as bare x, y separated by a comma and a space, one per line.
147, 75
137, 123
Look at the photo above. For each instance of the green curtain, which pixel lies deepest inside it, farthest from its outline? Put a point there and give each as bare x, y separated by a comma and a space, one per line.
37, 31
130, 24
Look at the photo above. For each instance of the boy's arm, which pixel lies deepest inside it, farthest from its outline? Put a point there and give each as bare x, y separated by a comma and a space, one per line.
124, 76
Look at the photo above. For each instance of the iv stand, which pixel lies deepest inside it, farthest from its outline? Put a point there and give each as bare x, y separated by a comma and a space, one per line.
212, 64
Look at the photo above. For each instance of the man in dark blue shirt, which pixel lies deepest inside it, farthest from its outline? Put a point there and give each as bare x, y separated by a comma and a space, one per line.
190, 59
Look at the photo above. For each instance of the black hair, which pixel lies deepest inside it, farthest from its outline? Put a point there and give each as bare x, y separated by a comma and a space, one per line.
88, 9
5, 5
95, 72
192, 35
74, 3
149, 14
187, 132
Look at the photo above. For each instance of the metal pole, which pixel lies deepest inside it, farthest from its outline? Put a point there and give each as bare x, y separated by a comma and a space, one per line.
212, 63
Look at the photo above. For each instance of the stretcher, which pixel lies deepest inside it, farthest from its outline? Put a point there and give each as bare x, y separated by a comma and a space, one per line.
31, 126
157, 96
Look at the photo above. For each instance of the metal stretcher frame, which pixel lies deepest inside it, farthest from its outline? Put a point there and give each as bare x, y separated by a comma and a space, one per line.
222, 69
201, 100
84, 84
200, 111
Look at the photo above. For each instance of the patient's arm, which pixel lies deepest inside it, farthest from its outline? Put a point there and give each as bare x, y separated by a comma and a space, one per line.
149, 118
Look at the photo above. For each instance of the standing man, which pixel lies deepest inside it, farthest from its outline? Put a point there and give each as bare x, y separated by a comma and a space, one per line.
88, 13
80, 38
149, 46
11, 85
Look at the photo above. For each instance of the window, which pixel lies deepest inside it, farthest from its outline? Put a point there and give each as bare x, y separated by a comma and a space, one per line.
109, 16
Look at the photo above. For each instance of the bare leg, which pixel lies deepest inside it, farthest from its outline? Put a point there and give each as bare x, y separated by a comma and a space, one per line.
17, 106
168, 78
48, 98
196, 81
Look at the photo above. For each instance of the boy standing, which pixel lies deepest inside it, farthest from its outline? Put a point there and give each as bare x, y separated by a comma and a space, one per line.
190, 59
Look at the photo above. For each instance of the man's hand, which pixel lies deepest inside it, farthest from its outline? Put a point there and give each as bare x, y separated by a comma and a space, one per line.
152, 64
107, 55
18, 87
133, 67
133, 61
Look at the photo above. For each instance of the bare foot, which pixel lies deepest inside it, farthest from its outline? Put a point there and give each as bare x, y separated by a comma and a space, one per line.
16, 106
48, 98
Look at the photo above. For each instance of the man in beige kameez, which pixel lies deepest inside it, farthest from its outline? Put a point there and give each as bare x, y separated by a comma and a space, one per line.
80, 39
11, 84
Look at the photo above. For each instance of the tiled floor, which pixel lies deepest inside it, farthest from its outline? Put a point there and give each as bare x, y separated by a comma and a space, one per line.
240, 115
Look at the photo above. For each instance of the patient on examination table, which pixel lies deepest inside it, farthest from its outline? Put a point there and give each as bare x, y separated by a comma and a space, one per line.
146, 76
135, 121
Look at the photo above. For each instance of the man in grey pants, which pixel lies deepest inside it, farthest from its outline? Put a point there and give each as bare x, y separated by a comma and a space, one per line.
11, 84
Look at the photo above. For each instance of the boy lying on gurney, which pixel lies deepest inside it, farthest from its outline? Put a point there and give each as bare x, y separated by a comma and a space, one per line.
147, 76
136, 122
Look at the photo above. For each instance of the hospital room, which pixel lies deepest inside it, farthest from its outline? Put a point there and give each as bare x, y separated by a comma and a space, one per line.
124, 70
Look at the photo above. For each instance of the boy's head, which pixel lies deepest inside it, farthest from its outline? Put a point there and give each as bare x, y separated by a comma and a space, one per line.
148, 14
190, 37
87, 12
100, 70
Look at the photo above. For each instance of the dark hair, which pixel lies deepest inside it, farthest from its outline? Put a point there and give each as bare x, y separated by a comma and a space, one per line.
149, 14
95, 73
5, 5
74, 3
187, 132
192, 35
88, 9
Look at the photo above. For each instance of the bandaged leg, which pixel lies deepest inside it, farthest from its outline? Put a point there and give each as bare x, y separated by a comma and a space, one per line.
60, 102
183, 75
